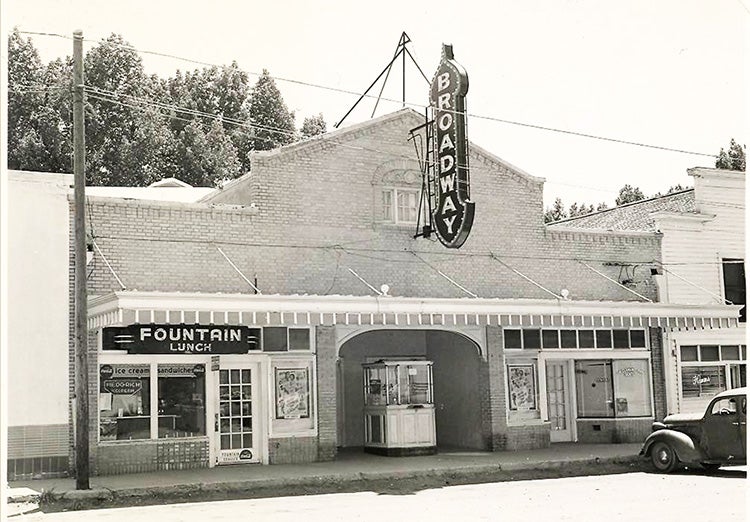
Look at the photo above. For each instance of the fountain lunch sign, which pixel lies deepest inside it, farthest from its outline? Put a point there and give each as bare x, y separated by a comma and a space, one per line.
453, 211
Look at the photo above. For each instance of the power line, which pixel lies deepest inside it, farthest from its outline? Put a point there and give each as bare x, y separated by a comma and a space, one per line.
345, 91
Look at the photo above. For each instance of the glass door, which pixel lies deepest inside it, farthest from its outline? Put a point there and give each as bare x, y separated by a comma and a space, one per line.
558, 401
237, 415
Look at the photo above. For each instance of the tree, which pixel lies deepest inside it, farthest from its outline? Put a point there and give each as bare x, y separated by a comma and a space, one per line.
580, 210
556, 213
126, 139
313, 126
629, 194
733, 158
274, 123
206, 159
39, 110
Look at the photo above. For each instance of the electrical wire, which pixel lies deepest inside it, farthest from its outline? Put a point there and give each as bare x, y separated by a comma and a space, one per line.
344, 91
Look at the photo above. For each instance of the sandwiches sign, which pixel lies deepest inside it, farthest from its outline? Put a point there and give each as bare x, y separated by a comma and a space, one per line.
453, 211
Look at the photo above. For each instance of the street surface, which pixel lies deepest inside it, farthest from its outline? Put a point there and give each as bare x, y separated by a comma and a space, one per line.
685, 496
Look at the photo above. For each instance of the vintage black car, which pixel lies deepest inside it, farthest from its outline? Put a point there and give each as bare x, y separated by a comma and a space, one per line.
713, 439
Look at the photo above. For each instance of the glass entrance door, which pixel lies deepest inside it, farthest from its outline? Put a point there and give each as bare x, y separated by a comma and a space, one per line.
558, 401
237, 415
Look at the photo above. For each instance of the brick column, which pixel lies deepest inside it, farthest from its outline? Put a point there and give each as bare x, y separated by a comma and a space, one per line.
325, 344
658, 373
494, 423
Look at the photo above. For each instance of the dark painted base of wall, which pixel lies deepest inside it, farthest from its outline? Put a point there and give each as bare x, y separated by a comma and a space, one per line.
603, 431
402, 452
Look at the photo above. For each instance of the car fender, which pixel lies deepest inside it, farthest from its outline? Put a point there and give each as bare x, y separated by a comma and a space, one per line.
687, 450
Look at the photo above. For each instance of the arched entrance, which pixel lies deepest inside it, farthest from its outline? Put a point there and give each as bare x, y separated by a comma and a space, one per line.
456, 376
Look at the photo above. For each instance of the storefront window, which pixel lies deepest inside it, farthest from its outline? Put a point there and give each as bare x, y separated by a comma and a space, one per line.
703, 381
182, 400
618, 388
124, 400
632, 388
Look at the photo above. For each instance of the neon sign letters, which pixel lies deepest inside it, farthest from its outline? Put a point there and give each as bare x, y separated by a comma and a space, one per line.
453, 211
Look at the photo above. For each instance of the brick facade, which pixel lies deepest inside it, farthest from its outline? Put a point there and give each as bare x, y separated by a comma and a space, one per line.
158, 455
315, 220
325, 341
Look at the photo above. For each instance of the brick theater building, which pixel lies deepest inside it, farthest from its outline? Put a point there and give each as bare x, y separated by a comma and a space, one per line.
235, 329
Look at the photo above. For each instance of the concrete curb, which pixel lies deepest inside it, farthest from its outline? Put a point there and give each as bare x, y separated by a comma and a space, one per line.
182, 491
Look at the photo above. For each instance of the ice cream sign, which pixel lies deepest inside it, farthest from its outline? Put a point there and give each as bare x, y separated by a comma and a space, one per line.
452, 211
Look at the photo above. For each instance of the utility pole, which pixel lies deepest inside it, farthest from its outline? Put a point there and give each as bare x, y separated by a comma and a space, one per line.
80, 305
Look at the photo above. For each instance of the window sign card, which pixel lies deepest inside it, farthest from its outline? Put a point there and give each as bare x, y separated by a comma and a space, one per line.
292, 395
522, 387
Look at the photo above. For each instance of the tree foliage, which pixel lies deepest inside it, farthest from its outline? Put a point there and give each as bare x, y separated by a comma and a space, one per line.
39, 114
273, 122
556, 213
733, 158
313, 126
629, 194
200, 126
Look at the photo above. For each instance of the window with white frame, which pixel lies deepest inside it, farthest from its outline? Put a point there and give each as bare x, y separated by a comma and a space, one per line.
400, 205
553, 338
706, 370
733, 272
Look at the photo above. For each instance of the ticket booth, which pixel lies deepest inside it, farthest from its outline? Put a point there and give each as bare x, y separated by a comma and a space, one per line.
399, 408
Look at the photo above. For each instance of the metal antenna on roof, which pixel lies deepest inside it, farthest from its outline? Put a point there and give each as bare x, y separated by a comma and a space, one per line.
402, 51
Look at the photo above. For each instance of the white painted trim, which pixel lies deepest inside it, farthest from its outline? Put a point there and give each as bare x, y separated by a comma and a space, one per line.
150, 301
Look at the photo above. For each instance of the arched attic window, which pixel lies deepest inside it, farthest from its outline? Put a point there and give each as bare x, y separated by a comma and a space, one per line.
397, 187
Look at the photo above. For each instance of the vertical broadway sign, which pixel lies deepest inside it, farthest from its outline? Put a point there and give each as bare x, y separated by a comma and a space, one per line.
453, 211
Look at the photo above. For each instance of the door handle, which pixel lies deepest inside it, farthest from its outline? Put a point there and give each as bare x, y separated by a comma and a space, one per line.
738, 423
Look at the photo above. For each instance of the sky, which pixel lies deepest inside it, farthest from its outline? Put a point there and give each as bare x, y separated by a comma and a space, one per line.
668, 73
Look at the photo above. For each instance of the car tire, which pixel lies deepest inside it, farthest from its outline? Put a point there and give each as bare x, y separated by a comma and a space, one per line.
663, 457
710, 467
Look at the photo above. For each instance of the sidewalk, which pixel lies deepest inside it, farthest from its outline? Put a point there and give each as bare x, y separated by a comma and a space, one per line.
349, 468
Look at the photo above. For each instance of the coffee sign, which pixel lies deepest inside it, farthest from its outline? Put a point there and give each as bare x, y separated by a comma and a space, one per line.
453, 212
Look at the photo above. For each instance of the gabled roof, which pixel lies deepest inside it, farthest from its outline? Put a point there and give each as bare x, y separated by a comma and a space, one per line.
636, 216
352, 132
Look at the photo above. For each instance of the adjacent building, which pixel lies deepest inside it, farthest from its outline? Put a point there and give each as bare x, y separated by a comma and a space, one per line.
702, 262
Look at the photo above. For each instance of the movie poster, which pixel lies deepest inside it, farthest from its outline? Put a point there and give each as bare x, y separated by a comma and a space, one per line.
292, 395
521, 387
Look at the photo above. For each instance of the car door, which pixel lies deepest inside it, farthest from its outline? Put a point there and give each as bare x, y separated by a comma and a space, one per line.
721, 430
743, 426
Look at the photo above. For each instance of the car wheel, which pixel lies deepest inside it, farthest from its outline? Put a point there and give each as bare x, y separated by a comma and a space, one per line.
710, 467
663, 457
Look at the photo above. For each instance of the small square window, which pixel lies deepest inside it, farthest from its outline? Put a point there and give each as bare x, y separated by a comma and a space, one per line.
299, 339
550, 339
604, 338
274, 339
568, 339
688, 353
730, 353
621, 338
637, 338
586, 338
709, 353
532, 339
512, 339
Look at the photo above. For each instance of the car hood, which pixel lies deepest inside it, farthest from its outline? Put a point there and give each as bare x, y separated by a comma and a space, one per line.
683, 418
